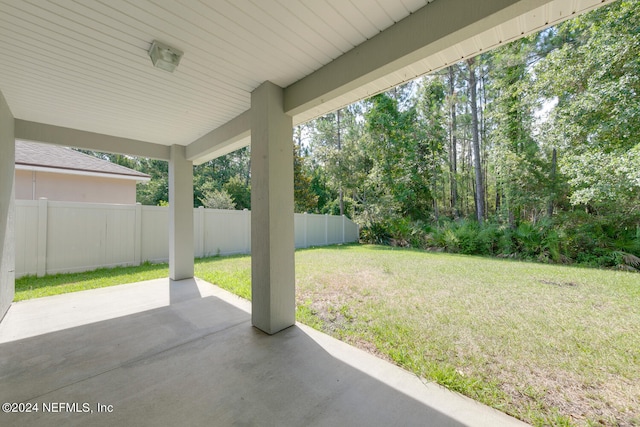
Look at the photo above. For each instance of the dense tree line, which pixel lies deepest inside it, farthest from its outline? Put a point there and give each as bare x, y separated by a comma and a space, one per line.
531, 150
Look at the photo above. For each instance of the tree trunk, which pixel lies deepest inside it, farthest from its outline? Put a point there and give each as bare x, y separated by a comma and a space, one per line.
453, 143
479, 190
552, 196
435, 187
340, 193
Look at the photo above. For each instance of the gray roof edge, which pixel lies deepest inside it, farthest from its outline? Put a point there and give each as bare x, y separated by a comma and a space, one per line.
62, 158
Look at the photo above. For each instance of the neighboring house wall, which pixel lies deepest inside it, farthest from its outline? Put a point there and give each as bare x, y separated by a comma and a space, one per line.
62, 174
33, 185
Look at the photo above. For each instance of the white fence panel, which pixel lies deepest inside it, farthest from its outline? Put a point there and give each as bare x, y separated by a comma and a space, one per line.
26, 233
226, 232
351, 231
316, 230
334, 230
155, 234
82, 236
53, 237
300, 230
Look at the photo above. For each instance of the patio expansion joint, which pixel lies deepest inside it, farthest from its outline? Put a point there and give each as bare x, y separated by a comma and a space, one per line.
138, 359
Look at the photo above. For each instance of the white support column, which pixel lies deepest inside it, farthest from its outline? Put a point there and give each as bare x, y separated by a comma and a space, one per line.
272, 223
181, 252
7, 208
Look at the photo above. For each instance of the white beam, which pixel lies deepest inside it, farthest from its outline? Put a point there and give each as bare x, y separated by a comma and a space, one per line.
272, 229
181, 249
229, 137
67, 137
7, 214
432, 29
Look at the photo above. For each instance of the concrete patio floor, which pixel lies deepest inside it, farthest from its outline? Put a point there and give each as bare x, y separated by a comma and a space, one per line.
184, 353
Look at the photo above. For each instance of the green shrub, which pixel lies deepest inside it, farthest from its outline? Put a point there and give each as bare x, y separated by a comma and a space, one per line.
444, 236
451, 242
400, 231
571, 237
550, 247
506, 242
489, 239
528, 240
376, 233
467, 233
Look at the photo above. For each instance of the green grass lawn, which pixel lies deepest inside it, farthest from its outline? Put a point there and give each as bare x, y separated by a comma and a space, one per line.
29, 287
552, 345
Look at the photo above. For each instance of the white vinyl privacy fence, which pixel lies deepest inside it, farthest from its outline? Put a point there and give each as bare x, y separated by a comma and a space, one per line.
54, 237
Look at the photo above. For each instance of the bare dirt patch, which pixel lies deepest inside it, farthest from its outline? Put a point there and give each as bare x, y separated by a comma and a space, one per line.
554, 283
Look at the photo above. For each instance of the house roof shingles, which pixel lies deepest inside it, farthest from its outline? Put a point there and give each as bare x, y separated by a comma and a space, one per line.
55, 157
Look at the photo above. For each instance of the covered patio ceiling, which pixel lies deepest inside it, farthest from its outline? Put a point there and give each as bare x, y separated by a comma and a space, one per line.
73, 67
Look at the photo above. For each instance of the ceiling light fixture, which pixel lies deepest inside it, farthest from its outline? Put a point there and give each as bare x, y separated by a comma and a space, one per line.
164, 57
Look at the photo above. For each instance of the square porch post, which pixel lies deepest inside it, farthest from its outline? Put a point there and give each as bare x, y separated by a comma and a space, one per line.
181, 252
272, 228
7, 214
